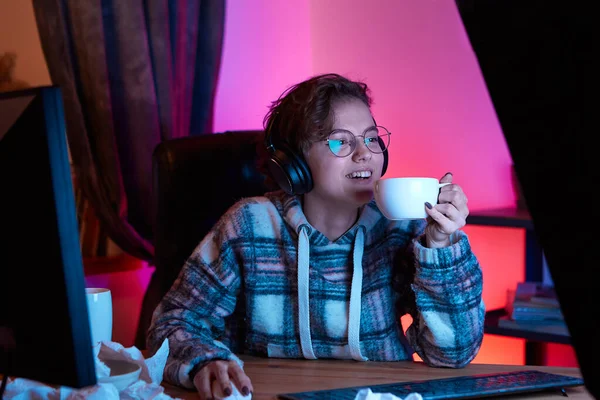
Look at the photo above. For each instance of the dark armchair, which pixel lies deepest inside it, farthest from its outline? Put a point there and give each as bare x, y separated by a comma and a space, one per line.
196, 179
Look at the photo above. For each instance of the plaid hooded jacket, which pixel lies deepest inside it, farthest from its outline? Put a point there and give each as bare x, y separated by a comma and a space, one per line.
265, 282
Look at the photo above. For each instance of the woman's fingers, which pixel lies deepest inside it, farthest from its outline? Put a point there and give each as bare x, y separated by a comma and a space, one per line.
202, 382
215, 379
443, 221
452, 215
454, 195
223, 387
241, 380
447, 178
438, 216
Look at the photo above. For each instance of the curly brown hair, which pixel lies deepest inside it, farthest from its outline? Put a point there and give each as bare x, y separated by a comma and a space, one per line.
303, 113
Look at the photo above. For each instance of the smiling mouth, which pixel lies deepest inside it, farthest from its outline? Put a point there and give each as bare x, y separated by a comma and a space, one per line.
359, 175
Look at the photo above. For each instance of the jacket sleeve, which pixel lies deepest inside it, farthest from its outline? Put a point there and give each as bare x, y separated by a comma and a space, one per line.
192, 315
447, 328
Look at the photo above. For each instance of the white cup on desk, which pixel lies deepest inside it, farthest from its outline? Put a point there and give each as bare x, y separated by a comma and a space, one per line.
405, 197
100, 312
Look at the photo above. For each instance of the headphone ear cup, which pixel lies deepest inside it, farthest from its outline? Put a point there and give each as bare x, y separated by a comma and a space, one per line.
290, 171
385, 162
385, 157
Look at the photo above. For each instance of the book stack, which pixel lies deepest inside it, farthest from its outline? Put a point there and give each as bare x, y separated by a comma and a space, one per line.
534, 307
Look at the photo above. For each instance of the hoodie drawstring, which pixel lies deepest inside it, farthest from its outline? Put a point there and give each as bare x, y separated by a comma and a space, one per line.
303, 309
355, 297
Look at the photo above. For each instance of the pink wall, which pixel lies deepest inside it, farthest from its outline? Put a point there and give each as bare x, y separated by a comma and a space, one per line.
427, 90
266, 49
414, 55
426, 85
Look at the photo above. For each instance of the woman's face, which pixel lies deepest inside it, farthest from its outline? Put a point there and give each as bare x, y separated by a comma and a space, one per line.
346, 180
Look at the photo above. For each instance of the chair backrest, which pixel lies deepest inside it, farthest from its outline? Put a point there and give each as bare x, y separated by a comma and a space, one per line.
196, 179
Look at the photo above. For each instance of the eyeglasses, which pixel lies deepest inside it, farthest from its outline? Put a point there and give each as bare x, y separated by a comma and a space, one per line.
342, 143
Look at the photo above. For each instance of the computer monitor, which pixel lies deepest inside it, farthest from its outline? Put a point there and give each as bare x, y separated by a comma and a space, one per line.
538, 60
44, 327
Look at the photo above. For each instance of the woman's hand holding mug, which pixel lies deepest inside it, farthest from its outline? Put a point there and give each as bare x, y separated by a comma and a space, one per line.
448, 215
441, 202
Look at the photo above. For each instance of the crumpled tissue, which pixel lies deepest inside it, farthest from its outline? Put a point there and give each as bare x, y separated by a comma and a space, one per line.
146, 387
367, 394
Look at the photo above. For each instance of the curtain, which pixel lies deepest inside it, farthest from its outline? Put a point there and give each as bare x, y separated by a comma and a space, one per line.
132, 74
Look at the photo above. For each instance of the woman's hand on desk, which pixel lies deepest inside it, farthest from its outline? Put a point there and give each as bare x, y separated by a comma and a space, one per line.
214, 380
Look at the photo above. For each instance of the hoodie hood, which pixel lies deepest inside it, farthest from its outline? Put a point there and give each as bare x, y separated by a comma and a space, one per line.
290, 207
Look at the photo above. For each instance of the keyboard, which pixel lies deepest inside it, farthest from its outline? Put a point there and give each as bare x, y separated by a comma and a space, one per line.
463, 387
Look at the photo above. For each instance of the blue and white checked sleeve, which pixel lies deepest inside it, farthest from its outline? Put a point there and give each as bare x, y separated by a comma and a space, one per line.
447, 329
192, 314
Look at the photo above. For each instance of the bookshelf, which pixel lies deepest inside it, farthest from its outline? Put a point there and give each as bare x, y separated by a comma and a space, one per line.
535, 332
534, 272
515, 218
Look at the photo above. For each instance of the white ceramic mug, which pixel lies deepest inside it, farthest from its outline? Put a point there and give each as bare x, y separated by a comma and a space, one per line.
99, 302
405, 197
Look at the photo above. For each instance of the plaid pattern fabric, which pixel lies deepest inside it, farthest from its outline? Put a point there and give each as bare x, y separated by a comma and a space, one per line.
237, 292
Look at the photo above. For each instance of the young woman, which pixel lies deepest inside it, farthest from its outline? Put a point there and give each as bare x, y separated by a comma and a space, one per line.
315, 270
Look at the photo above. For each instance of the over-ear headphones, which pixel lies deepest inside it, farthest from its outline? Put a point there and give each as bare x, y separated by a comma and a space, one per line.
288, 168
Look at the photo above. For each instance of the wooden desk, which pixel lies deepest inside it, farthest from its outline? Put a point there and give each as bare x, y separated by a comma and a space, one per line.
272, 376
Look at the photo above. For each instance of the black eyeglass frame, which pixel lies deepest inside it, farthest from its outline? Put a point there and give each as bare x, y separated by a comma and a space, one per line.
354, 142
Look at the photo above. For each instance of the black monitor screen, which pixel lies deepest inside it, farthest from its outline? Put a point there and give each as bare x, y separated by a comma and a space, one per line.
44, 329
539, 62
